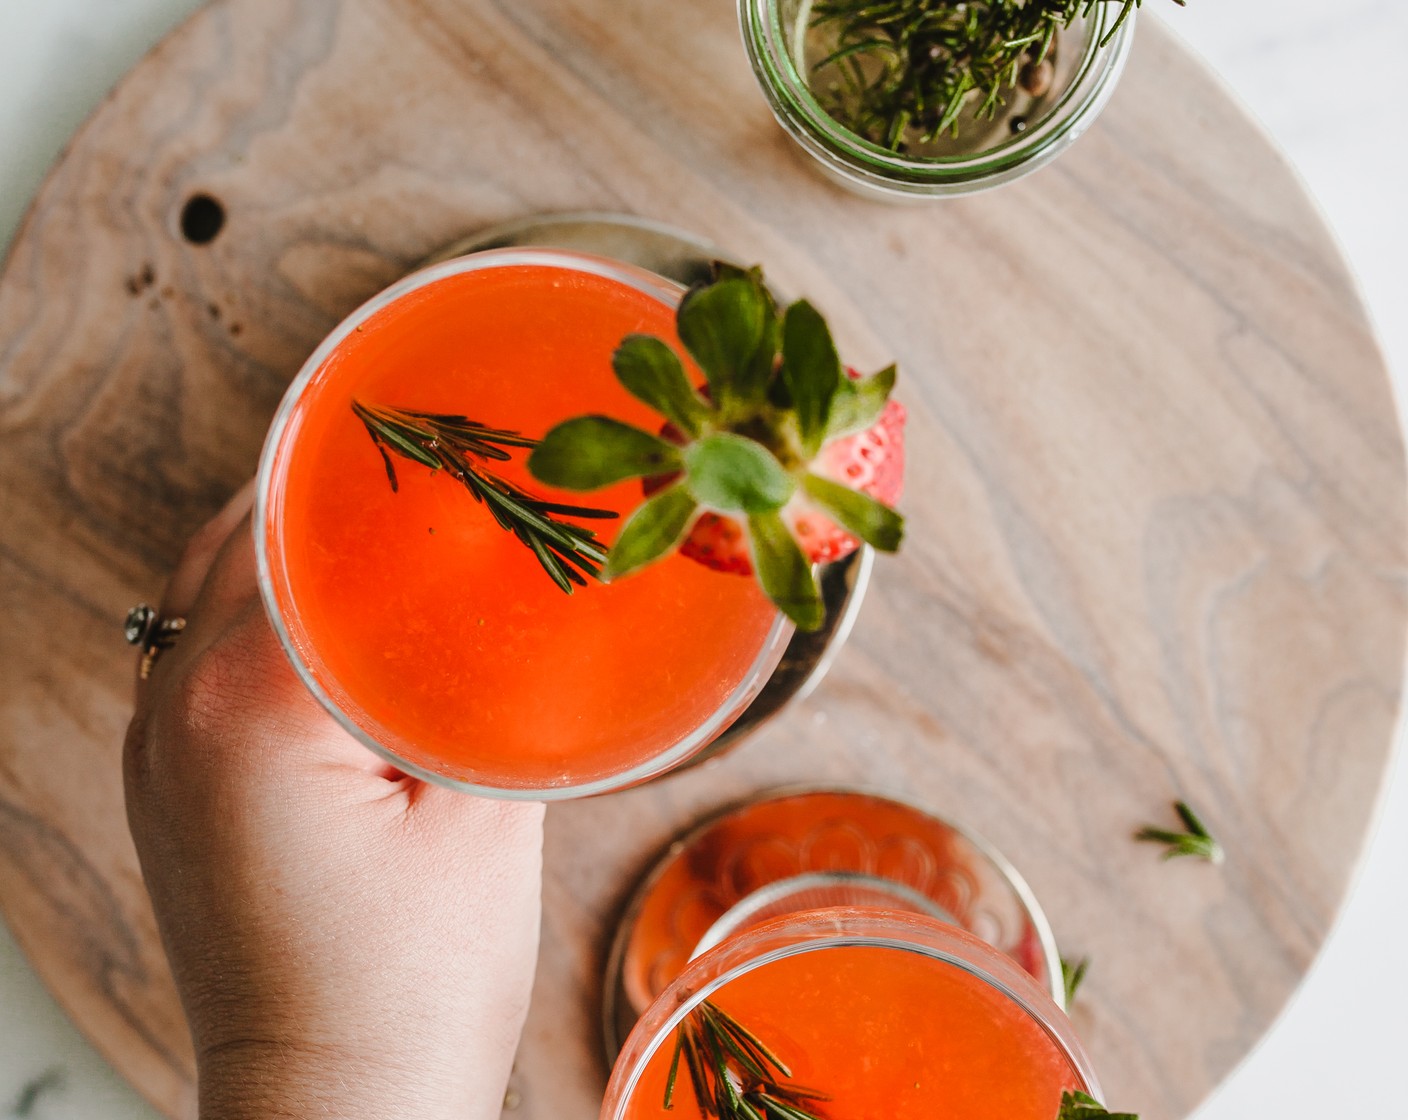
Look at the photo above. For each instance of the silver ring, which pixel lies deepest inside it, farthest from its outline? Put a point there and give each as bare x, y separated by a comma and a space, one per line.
151, 633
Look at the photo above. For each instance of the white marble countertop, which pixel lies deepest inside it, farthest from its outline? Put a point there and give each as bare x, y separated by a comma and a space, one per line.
1323, 79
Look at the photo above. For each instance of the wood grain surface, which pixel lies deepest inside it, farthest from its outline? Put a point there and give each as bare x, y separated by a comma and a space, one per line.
1156, 491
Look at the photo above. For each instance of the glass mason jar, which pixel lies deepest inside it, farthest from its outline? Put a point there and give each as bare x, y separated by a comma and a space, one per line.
877, 1009
1028, 132
428, 631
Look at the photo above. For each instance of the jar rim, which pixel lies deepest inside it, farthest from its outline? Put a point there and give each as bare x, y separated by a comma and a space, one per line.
862, 164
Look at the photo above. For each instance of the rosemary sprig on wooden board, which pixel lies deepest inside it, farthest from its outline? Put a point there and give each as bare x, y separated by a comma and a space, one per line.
1072, 975
733, 1074
443, 441
900, 72
1196, 841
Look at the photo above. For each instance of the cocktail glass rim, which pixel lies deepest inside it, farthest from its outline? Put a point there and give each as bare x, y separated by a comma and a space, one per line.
834, 927
644, 281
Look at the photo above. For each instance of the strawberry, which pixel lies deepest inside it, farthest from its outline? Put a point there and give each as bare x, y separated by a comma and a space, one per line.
785, 459
871, 461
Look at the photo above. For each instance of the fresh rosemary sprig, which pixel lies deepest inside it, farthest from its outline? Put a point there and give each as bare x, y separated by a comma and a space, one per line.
900, 72
1072, 974
734, 1075
1197, 841
442, 441
1082, 1106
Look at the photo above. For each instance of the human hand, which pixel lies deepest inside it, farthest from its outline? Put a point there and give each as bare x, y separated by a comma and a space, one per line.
346, 941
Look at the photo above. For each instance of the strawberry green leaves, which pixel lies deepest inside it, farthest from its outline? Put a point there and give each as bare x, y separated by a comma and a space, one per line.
1082, 1106
730, 476
828, 403
859, 402
729, 328
594, 451
812, 372
653, 373
784, 571
734, 474
726, 472
653, 531
873, 522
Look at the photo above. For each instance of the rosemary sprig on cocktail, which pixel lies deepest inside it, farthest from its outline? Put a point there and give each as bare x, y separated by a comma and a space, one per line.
902, 71
1196, 841
442, 441
734, 1075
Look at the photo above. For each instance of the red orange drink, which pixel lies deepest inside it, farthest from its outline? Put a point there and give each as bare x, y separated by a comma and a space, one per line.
430, 632
881, 1014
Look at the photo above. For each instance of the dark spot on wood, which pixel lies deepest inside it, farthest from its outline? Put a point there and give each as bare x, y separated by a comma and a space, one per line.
167, 292
214, 309
236, 329
202, 219
140, 280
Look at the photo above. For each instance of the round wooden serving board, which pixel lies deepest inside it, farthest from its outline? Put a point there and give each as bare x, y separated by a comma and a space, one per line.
1156, 485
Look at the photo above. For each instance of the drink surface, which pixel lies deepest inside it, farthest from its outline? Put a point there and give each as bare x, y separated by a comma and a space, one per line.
436, 631
888, 1034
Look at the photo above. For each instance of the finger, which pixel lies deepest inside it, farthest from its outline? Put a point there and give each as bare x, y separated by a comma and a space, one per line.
256, 671
231, 582
228, 584
238, 678
201, 551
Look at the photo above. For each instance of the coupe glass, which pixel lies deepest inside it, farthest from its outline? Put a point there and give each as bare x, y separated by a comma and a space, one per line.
387, 621
873, 1011
876, 949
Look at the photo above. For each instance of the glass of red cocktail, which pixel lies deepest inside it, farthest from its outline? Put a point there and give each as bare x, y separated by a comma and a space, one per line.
847, 1011
434, 636
831, 953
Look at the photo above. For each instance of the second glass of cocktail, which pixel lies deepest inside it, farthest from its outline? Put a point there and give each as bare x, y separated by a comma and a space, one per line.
849, 1012
824, 954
